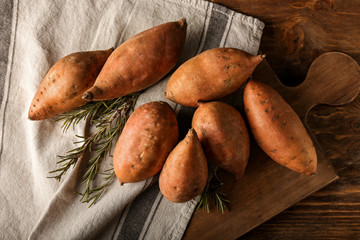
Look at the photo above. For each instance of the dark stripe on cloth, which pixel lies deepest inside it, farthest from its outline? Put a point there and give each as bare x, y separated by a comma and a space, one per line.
119, 220
8, 7
152, 217
6, 12
217, 25
138, 213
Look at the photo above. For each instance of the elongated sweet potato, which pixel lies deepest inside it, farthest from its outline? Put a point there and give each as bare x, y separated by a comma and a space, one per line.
185, 172
277, 129
223, 135
140, 62
63, 86
148, 136
211, 75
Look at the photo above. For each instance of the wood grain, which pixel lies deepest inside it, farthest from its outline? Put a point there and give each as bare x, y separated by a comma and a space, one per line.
296, 33
266, 187
333, 212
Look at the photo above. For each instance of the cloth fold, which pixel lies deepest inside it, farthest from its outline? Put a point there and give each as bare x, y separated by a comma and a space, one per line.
41, 32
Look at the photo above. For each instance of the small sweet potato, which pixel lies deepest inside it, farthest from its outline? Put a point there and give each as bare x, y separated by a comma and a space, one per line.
149, 135
277, 129
140, 62
185, 172
211, 75
223, 135
63, 86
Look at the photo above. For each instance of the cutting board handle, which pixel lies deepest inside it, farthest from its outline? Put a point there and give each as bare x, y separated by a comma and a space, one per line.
333, 79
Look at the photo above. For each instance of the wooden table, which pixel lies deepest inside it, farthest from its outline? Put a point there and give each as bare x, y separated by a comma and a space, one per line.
296, 33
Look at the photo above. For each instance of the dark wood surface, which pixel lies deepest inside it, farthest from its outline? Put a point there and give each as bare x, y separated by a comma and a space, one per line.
296, 33
267, 188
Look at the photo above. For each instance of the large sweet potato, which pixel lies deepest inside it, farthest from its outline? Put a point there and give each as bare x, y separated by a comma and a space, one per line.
223, 135
148, 136
63, 86
140, 62
185, 172
211, 75
277, 128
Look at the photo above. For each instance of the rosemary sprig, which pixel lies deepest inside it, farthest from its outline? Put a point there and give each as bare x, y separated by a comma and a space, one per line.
212, 196
75, 116
68, 160
108, 118
98, 191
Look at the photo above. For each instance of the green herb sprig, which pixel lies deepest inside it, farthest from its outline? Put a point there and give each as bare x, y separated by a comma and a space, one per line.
108, 118
212, 196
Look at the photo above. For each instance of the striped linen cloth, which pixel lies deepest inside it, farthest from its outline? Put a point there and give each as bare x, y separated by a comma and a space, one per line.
34, 35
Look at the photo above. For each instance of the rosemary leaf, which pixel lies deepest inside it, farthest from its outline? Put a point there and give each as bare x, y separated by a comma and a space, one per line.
212, 197
98, 191
108, 118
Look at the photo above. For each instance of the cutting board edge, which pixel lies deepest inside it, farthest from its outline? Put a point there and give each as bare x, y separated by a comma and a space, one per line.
336, 177
332, 177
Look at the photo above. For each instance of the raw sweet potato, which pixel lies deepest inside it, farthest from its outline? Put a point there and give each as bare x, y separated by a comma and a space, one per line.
63, 86
211, 75
149, 135
185, 172
223, 135
277, 129
140, 62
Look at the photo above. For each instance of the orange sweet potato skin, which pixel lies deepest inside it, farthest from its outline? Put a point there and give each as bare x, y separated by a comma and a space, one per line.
223, 135
140, 62
149, 135
185, 172
277, 129
210, 75
63, 86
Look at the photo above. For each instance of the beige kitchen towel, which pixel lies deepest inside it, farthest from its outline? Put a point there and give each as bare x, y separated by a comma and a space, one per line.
35, 34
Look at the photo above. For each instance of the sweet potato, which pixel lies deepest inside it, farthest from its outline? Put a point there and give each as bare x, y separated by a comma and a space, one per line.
277, 129
63, 86
185, 172
211, 75
223, 135
140, 62
149, 135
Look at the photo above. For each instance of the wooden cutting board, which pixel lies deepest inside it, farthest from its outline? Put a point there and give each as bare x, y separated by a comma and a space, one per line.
267, 188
